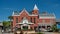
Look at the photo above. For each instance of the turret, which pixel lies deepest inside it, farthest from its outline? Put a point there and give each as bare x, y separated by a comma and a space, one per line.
35, 10
13, 13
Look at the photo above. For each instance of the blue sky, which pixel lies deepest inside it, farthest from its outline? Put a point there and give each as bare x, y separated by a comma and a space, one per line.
8, 6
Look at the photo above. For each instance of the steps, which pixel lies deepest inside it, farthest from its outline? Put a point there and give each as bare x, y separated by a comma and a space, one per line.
27, 32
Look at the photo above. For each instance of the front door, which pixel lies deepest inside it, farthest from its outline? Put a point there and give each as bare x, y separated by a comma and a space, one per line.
25, 27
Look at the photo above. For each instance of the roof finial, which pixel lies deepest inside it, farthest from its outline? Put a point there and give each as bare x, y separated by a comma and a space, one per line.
35, 7
24, 9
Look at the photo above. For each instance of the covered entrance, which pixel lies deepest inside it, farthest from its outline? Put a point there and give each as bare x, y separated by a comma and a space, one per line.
25, 24
25, 27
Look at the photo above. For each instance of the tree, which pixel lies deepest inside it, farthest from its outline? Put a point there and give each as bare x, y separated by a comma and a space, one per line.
54, 27
6, 25
10, 17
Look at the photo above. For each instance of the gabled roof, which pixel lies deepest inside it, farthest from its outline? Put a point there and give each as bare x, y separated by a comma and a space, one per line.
24, 10
15, 13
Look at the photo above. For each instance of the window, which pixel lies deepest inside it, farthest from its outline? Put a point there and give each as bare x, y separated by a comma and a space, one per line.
16, 20
39, 26
43, 26
43, 20
38, 16
35, 28
47, 20
34, 20
31, 19
22, 17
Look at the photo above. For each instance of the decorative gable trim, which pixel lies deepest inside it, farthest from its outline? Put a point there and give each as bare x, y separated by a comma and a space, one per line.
25, 11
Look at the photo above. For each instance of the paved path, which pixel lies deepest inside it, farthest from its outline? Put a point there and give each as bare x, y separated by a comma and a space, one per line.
0, 31
50, 33
43, 32
7, 33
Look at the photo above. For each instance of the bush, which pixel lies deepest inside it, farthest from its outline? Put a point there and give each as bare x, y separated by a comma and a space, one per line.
54, 28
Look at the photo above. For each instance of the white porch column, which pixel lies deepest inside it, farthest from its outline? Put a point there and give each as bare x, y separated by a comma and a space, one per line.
28, 26
21, 27
45, 26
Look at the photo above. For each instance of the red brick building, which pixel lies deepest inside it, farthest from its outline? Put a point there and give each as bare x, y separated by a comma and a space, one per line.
24, 19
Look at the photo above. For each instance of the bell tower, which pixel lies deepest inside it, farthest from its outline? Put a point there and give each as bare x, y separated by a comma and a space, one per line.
35, 10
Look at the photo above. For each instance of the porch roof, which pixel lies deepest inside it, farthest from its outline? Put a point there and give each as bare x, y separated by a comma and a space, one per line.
25, 23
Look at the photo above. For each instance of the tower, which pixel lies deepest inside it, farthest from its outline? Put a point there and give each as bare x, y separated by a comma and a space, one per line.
35, 10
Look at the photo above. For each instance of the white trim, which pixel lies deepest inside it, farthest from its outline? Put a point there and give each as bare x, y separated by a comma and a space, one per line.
25, 11
22, 12
42, 24
23, 23
33, 15
28, 15
46, 17
15, 15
